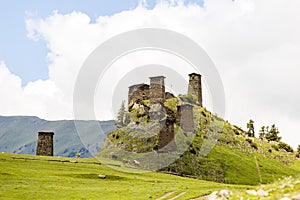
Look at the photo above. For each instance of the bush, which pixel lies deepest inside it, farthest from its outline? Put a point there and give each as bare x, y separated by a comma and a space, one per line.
249, 140
254, 145
285, 146
275, 147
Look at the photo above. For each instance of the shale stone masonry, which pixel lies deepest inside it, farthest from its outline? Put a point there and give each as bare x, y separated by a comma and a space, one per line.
45, 144
155, 93
185, 117
195, 87
157, 90
137, 92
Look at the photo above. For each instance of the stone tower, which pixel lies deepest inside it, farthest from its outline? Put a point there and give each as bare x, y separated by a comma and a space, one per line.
185, 117
157, 90
195, 87
45, 144
137, 92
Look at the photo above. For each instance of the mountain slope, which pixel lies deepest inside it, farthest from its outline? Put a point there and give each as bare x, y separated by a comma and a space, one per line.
18, 134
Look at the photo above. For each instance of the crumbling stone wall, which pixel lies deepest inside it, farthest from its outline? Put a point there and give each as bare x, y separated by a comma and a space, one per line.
185, 117
166, 135
195, 87
136, 93
157, 90
169, 95
45, 144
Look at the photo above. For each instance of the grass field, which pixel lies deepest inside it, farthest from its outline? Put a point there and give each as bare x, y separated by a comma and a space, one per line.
32, 177
41, 179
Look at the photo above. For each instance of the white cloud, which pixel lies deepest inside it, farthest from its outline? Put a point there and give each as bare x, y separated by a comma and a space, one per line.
255, 45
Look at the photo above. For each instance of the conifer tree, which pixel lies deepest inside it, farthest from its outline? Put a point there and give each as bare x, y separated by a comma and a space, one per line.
272, 135
121, 116
250, 127
263, 131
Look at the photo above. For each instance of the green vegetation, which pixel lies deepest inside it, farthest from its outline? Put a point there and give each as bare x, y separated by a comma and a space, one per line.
123, 116
38, 177
217, 151
250, 127
285, 146
272, 135
43, 179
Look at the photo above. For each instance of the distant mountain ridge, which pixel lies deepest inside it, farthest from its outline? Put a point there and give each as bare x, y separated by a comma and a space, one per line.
18, 134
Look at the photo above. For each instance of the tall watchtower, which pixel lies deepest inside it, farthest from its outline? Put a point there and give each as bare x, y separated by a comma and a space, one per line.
157, 90
45, 144
195, 87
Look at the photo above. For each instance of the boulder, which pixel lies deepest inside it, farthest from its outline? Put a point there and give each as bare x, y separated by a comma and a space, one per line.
262, 193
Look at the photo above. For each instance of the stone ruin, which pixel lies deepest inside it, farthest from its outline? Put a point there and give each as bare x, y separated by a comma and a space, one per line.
195, 87
184, 117
157, 90
156, 94
45, 144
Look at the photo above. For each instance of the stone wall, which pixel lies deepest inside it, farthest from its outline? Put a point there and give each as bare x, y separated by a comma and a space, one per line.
169, 95
185, 117
157, 90
137, 92
166, 141
195, 87
45, 144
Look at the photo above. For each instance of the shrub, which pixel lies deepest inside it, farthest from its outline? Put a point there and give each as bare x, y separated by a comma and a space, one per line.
249, 140
275, 147
285, 146
254, 145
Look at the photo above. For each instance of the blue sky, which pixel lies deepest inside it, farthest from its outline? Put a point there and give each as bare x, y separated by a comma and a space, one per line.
27, 58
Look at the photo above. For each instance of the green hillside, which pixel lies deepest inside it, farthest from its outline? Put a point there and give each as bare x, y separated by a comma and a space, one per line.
217, 151
42, 179
37, 177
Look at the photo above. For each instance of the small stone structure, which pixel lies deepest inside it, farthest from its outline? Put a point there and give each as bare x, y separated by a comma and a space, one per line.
195, 87
157, 90
45, 144
185, 117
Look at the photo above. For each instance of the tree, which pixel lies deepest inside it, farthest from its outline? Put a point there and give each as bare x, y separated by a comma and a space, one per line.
298, 149
127, 118
250, 127
263, 131
272, 135
121, 116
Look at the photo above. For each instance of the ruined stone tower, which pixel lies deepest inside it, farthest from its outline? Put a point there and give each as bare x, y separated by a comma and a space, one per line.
195, 87
185, 117
157, 90
137, 92
45, 144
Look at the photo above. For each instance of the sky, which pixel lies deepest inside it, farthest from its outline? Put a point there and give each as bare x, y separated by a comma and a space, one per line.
254, 45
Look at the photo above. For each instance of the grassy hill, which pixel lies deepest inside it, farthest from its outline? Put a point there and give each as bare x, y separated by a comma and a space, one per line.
18, 134
217, 151
38, 177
